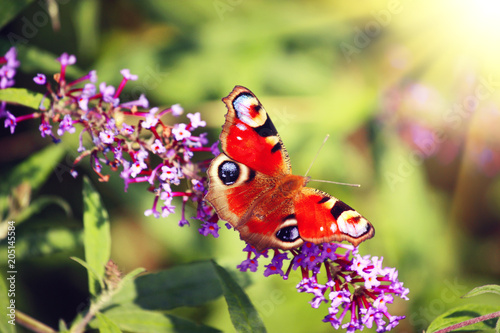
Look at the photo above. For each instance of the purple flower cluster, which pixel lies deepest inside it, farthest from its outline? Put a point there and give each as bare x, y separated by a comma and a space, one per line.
353, 284
125, 136
9, 64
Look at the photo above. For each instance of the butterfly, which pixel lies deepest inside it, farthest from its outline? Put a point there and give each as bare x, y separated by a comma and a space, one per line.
252, 187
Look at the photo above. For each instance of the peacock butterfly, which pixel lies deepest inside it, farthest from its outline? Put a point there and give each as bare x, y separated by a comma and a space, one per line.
251, 186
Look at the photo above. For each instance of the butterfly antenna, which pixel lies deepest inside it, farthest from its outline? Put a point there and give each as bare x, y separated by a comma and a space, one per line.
315, 157
325, 181
330, 182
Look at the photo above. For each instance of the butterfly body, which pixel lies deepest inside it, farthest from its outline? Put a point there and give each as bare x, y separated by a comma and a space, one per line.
252, 187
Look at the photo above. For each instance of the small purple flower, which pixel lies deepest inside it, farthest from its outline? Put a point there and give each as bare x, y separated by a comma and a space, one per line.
332, 319
177, 109
198, 185
169, 173
11, 57
359, 264
88, 90
10, 121
83, 103
214, 148
107, 137
45, 129
141, 102
371, 281
40, 79
183, 222
209, 228
137, 167
328, 251
127, 129
180, 132
66, 59
166, 191
157, 147
151, 119
92, 76
196, 120
153, 212
276, 264
126, 74
340, 297
248, 264
126, 77
66, 125
108, 93
167, 209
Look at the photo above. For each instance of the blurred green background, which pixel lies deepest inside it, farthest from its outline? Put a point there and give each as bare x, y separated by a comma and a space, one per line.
407, 90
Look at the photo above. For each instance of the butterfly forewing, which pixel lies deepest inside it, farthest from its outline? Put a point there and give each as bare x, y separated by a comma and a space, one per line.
249, 136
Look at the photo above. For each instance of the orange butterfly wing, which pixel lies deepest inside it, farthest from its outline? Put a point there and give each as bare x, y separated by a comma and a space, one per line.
249, 136
324, 218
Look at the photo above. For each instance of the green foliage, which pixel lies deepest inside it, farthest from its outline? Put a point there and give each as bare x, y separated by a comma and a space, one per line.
463, 313
489, 316
42, 242
186, 285
136, 319
243, 314
11, 9
137, 303
24, 97
106, 325
96, 236
35, 170
487, 289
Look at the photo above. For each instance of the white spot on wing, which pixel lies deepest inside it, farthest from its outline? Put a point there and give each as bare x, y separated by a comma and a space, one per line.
356, 229
243, 106
241, 127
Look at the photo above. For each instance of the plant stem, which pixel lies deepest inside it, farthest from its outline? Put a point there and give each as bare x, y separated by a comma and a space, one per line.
470, 322
80, 328
32, 324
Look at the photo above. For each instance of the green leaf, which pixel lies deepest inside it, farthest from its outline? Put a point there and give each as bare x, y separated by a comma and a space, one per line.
187, 285
489, 288
463, 313
497, 326
96, 235
42, 242
106, 325
63, 328
4, 303
90, 270
39, 204
10, 9
21, 96
134, 319
243, 314
35, 170
129, 278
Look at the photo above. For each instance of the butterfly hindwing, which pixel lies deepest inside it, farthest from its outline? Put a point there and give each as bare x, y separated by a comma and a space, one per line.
323, 218
241, 196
